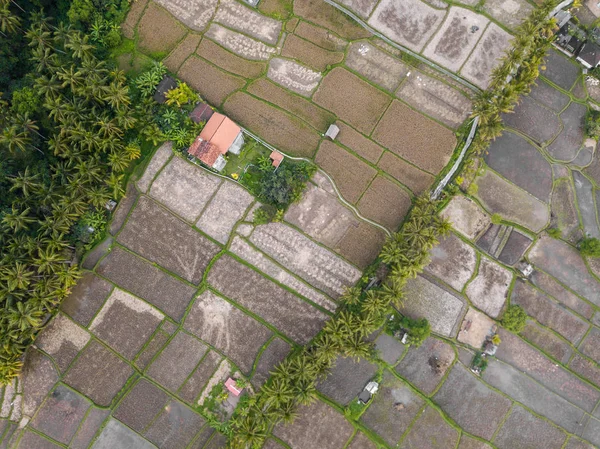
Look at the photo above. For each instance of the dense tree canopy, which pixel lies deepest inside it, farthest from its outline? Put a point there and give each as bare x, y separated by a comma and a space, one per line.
68, 132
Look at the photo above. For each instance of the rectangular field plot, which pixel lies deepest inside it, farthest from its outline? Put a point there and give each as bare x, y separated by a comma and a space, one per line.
184, 188
457, 36
351, 99
285, 311
241, 18
376, 65
245, 251
164, 239
416, 138
318, 266
146, 281
409, 22
222, 325
435, 98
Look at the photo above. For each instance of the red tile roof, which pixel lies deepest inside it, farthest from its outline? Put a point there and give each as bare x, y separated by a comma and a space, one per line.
276, 157
205, 151
220, 131
232, 387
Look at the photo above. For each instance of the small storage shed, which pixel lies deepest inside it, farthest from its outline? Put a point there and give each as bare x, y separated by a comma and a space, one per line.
166, 84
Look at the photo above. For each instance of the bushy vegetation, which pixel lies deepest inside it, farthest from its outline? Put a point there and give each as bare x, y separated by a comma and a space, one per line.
277, 188
293, 382
417, 330
479, 363
514, 319
71, 128
592, 124
590, 247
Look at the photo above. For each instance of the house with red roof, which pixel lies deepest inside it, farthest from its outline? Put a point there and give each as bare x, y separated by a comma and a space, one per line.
219, 137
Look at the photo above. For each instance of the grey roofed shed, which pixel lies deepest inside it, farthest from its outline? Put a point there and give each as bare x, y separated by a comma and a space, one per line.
332, 132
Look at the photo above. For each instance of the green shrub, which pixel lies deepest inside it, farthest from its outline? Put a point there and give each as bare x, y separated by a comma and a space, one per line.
148, 80
282, 187
418, 330
514, 319
496, 219
264, 214
473, 189
479, 363
555, 233
590, 247
592, 124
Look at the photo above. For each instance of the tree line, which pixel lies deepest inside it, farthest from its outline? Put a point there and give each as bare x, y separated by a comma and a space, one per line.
69, 130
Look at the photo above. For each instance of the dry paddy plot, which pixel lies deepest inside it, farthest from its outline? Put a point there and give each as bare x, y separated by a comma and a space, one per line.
310, 54
409, 22
486, 56
430, 431
321, 419
158, 31
315, 116
157, 235
466, 216
220, 324
146, 281
414, 137
293, 76
435, 98
240, 44
277, 127
385, 202
508, 12
241, 18
456, 38
351, 175
284, 310
318, 266
453, 261
213, 83
351, 99
358, 143
376, 65
443, 310
159, 159
327, 16
228, 61
489, 289
225, 209
185, 48
196, 14
184, 188
320, 36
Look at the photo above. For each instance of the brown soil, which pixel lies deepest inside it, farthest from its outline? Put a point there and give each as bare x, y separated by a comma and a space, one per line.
309, 54
182, 52
329, 17
358, 143
135, 12
352, 99
158, 31
416, 180
228, 61
415, 137
361, 244
351, 175
385, 202
320, 36
307, 111
275, 126
213, 83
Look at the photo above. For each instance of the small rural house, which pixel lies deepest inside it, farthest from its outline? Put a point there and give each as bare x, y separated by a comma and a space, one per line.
219, 137
233, 388
165, 85
589, 55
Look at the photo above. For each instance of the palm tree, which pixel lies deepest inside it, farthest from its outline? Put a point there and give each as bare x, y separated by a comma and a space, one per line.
357, 348
18, 221
351, 296
9, 23
14, 140
277, 392
25, 182
78, 44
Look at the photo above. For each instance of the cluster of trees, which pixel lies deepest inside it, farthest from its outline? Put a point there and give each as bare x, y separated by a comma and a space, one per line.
69, 131
293, 383
515, 76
